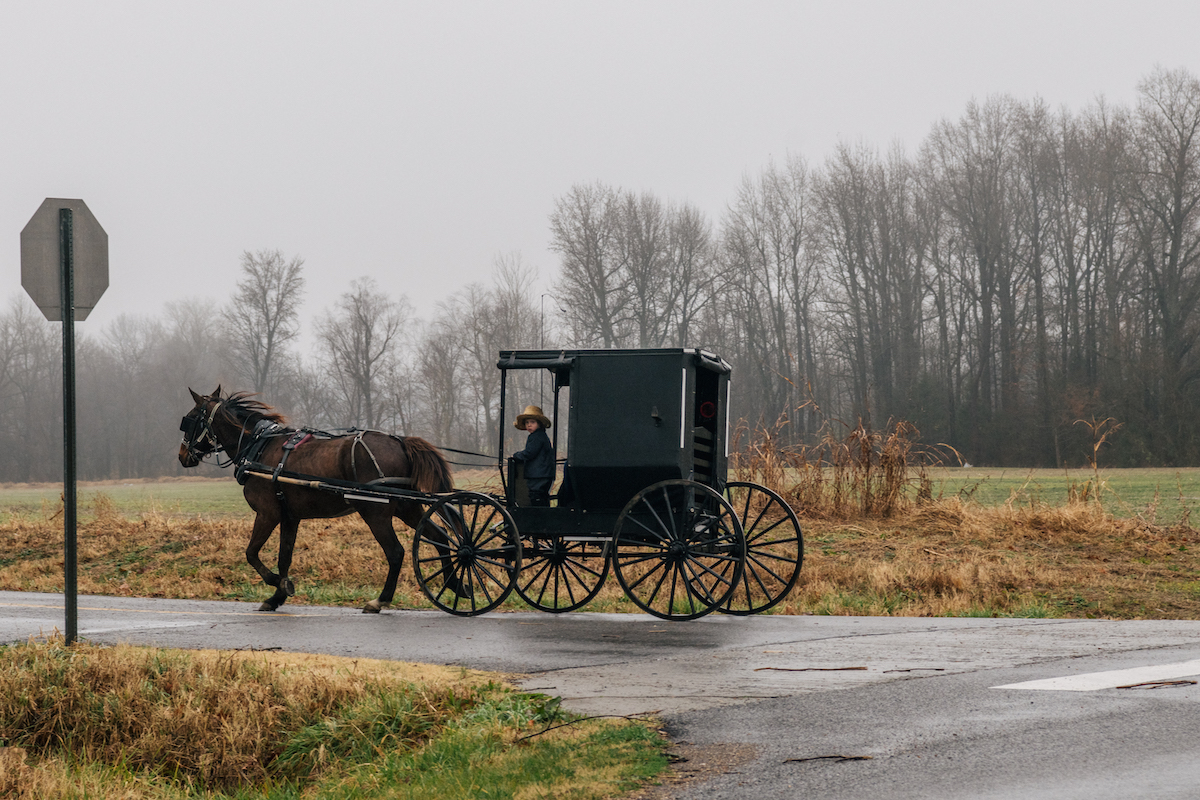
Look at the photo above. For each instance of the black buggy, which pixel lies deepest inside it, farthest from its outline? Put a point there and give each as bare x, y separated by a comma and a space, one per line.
643, 494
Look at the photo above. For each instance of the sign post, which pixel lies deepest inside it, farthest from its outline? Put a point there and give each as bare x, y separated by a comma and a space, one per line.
63, 245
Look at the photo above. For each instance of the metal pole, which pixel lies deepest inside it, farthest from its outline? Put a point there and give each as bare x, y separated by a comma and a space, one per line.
542, 346
67, 284
500, 446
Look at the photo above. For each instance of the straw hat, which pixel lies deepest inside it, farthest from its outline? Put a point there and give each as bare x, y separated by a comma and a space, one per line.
531, 412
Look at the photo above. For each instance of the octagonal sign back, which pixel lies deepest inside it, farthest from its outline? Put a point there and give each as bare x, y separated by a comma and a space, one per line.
41, 260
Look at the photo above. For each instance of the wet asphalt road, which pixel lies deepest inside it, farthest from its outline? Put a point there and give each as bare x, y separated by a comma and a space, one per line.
910, 705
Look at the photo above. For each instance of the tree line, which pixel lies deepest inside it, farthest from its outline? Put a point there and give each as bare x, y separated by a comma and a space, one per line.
1023, 276
1026, 275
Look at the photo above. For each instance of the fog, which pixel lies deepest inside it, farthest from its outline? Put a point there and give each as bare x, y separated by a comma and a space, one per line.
417, 142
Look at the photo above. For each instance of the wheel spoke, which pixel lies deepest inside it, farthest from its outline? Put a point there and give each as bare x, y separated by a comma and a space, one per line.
667, 571
575, 565
560, 575
763, 567
758, 534
633, 586
709, 570
537, 574
695, 583
657, 534
631, 559
673, 531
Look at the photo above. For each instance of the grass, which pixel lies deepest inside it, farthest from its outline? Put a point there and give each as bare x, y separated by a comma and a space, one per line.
952, 559
208, 497
945, 556
127, 722
887, 531
1159, 496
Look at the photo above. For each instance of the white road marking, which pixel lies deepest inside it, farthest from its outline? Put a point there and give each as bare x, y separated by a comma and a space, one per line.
1092, 681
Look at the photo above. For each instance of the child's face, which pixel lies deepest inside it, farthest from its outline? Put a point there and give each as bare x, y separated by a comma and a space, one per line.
532, 425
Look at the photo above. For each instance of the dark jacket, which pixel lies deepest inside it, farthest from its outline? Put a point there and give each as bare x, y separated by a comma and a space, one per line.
538, 455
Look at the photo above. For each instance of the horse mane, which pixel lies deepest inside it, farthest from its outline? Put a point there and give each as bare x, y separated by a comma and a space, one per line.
243, 408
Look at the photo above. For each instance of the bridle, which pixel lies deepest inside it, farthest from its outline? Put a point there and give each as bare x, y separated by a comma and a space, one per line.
199, 440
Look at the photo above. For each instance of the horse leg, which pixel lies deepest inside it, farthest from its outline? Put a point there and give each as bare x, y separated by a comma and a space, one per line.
381, 526
264, 525
284, 588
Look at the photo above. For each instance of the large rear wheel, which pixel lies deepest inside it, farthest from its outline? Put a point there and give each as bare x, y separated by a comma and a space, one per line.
678, 550
774, 548
466, 554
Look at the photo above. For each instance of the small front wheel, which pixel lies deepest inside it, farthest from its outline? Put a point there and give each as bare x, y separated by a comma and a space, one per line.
562, 573
466, 554
678, 550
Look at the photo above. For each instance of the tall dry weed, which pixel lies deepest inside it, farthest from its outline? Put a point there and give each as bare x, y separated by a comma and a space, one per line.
862, 473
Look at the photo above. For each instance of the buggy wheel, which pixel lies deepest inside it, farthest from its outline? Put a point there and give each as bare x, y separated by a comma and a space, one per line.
678, 550
560, 574
466, 554
774, 548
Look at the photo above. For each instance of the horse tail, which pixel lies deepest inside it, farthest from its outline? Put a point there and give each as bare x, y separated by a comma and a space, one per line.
430, 472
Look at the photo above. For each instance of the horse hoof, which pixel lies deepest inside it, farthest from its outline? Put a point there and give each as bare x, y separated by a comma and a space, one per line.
266, 607
287, 586
372, 607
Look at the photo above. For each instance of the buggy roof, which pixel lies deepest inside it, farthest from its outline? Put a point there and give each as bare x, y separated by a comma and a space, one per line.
561, 360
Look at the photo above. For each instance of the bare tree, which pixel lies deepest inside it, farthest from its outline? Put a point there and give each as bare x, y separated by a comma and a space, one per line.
694, 277
1166, 211
308, 388
263, 316
30, 394
874, 251
585, 228
769, 256
975, 186
643, 238
360, 336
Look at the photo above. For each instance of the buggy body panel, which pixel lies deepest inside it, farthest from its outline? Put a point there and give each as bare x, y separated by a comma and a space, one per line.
636, 417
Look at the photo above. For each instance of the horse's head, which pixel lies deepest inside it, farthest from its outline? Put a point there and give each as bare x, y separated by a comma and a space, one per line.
198, 438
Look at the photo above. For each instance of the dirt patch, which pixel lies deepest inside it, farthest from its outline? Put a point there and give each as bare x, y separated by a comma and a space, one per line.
694, 765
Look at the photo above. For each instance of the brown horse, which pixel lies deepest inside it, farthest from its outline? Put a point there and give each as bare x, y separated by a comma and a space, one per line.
229, 424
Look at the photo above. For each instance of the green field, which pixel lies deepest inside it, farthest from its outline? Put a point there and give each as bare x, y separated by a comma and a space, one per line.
188, 498
1162, 496
1159, 495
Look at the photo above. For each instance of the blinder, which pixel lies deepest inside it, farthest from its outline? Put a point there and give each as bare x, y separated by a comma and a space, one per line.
197, 435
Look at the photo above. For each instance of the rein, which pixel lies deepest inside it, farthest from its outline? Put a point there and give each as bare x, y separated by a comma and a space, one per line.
490, 459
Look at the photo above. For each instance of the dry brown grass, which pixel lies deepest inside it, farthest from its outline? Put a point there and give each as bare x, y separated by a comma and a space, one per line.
205, 718
160, 555
949, 558
876, 542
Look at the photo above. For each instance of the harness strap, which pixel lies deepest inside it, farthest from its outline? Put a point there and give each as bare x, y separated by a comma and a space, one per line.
358, 440
295, 440
264, 433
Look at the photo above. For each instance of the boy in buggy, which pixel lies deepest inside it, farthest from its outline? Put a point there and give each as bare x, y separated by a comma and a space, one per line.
538, 454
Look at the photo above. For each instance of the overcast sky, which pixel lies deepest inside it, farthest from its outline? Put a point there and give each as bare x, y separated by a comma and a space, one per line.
414, 142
